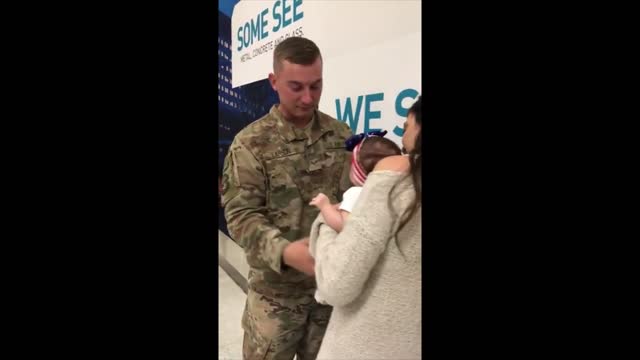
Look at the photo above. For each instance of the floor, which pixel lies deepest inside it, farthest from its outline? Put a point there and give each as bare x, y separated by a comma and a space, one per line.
230, 306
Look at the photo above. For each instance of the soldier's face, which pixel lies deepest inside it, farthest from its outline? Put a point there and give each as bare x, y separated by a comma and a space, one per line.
299, 88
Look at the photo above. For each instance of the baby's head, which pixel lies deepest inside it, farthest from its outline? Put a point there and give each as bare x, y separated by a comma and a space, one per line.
367, 154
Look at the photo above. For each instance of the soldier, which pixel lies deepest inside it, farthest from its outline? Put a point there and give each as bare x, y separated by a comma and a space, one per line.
273, 169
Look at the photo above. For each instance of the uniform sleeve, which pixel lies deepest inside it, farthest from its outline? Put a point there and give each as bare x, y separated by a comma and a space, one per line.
344, 261
244, 202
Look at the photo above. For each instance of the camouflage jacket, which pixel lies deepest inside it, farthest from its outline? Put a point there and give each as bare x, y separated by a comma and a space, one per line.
271, 173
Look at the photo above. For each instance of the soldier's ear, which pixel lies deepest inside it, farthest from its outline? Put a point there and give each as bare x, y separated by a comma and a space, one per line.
272, 81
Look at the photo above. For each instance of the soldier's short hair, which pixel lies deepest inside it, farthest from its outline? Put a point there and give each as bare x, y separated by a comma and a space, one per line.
296, 50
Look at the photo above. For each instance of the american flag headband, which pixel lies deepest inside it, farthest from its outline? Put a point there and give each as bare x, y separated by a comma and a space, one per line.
354, 143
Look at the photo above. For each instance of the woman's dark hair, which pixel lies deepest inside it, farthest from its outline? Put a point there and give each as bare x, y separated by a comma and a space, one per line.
415, 166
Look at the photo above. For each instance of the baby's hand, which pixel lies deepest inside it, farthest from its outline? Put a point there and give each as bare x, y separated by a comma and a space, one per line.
320, 200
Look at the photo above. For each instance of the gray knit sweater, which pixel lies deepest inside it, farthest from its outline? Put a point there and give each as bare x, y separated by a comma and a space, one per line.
375, 288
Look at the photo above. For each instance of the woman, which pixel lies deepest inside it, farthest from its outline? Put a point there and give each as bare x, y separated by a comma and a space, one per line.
371, 271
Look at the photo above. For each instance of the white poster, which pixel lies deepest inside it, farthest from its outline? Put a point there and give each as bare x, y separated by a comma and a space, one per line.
371, 52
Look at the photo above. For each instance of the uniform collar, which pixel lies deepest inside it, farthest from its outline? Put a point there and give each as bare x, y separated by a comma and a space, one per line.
317, 127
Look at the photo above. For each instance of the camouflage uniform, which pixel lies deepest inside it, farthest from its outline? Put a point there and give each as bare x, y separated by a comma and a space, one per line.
271, 173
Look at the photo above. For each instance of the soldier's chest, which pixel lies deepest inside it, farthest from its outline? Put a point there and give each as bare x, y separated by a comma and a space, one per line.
305, 168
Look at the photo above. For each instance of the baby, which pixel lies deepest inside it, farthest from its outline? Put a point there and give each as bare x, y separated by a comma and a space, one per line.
367, 149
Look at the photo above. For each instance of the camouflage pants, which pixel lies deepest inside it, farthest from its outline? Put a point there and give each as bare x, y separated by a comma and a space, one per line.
279, 328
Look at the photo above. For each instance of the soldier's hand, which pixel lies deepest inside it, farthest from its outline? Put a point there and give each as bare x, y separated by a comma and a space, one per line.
296, 255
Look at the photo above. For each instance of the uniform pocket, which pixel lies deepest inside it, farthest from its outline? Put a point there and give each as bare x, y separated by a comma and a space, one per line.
283, 191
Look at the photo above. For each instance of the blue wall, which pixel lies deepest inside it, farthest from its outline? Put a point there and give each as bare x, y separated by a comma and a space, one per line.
226, 6
237, 107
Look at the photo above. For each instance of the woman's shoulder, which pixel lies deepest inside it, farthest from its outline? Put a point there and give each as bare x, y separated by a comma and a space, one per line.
398, 163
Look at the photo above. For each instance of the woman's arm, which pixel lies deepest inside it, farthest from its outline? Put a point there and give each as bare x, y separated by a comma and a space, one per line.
344, 261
